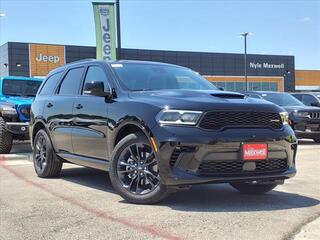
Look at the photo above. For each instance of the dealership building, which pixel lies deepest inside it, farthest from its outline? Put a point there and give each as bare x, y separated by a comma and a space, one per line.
265, 72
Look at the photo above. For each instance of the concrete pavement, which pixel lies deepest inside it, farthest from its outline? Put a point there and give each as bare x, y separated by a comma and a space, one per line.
81, 204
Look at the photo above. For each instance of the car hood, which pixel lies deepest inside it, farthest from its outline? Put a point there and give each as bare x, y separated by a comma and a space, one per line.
17, 100
203, 100
291, 109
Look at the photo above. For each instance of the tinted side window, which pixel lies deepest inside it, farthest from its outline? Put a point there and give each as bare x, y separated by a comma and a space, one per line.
71, 82
96, 74
50, 84
298, 96
254, 96
308, 99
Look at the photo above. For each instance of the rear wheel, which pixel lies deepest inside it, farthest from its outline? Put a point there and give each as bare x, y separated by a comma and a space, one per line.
134, 171
253, 188
5, 138
46, 163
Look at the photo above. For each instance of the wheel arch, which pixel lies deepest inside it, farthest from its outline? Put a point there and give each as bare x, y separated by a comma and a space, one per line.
36, 127
129, 127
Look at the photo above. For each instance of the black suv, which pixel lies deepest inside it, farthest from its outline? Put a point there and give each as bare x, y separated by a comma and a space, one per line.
308, 99
158, 128
305, 120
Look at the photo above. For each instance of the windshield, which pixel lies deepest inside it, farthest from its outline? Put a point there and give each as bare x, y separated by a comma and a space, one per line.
282, 99
26, 88
138, 77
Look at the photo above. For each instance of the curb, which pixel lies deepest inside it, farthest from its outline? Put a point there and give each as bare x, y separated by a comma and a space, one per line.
20, 156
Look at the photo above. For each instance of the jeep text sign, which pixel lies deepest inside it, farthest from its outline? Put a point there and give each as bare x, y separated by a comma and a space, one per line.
43, 58
105, 30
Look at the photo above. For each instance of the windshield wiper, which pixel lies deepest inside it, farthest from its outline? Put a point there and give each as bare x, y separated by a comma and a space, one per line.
12, 95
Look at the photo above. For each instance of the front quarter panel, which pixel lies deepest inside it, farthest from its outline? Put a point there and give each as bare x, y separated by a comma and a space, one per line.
36, 112
125, 111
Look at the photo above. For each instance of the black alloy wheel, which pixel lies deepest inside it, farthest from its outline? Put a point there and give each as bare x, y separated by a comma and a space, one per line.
134, 171
40, 153
138, 169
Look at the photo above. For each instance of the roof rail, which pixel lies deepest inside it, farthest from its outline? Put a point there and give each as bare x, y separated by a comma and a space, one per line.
83, 60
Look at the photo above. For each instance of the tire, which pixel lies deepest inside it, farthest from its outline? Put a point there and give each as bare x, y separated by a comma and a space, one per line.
250, 188
317, 140
45, 161
125, 171
5, 138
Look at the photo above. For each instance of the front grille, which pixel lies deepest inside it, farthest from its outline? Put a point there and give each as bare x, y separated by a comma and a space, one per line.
314, 115
220, 120
236, 167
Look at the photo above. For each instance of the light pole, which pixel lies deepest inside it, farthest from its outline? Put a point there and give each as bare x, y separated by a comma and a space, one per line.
244, 35
118, 30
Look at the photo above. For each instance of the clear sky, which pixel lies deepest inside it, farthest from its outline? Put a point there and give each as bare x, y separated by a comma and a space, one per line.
290, 27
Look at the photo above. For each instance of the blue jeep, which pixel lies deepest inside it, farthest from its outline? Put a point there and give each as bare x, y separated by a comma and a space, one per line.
16, 96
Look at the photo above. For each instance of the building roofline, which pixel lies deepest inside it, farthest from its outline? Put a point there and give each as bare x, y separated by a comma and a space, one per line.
141, 49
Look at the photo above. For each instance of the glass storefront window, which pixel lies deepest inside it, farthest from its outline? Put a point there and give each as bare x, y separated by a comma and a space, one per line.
230, 86
273, 87
252, 86
240, 86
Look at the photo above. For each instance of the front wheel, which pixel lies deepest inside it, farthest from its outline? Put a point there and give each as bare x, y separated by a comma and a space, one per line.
253, 188
5, 138
134, 172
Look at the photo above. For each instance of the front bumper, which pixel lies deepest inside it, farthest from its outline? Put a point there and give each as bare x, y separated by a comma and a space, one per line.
307, 128
307, 134
190, 155
18, 128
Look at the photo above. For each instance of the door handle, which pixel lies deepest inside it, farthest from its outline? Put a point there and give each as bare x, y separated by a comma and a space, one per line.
49, 105
79, 106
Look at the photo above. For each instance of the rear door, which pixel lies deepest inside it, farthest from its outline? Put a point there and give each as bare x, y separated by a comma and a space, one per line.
46, 91
89, 135
59, 107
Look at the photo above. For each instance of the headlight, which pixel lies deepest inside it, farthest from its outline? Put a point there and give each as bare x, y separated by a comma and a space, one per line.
284, 118
178, 117
301, 114
8, 110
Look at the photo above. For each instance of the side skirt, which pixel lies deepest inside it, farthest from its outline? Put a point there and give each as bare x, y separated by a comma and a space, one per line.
86, 161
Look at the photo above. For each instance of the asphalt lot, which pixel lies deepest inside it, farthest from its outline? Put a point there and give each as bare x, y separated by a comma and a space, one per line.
81, 204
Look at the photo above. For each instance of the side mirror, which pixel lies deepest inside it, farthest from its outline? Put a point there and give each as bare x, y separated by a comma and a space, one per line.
95, 89
221, 88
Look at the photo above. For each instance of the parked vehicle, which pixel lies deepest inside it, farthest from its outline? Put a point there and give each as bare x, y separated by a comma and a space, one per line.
158, 128
16, 95
305, 120
308, 99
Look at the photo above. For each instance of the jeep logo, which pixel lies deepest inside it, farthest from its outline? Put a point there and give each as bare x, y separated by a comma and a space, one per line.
45, 58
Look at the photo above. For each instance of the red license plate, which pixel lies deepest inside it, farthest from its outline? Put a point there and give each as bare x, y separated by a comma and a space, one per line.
255, 151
